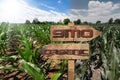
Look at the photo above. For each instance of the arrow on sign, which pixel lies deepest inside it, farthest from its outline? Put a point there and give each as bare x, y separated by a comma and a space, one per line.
76, 33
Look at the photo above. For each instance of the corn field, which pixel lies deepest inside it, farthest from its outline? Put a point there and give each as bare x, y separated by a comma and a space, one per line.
21, 46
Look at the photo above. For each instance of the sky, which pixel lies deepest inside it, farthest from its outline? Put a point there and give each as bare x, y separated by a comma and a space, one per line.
18, 11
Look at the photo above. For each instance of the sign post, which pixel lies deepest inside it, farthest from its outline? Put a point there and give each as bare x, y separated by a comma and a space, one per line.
71, 69
70, 51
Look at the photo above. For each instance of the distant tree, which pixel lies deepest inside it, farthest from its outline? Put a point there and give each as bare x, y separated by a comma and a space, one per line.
77, 22
117, 21
85, 22
110, 21
36, 21
4, 23
74, 22
98, 22
59, 22
27, 22
66, 21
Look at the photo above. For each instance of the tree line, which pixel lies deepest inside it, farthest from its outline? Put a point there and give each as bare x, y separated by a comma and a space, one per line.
76, 22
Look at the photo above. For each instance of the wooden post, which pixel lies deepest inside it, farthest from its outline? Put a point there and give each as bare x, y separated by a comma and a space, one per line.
71, 24
70, 33
71, 63
70, 69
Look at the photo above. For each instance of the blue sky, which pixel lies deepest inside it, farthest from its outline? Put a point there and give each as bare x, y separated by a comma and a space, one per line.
57, 5
18, 11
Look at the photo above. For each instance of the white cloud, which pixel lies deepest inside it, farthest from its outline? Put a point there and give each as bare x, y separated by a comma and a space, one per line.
101, 8
97, 11
47, 6
59, 1
21, 10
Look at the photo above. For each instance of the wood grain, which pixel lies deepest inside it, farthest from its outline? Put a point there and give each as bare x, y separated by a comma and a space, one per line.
71, 69
75, 38
74, 51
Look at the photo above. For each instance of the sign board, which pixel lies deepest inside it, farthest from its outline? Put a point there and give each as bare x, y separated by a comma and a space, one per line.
67, 51
74, 33
70, 51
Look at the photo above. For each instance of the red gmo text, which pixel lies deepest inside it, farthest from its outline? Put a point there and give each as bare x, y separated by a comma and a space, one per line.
66, 33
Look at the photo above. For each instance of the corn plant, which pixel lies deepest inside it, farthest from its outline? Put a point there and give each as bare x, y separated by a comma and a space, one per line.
3, 38
107, 46
28, 53
33, 37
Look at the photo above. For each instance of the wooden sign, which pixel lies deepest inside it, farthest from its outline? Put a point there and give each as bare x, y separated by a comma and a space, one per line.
70, 51
74, 33
67, 51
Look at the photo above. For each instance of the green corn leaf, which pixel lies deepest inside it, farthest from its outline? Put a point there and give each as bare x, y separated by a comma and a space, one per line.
63, 66
56, 76
32, 70
9, 67
8, 58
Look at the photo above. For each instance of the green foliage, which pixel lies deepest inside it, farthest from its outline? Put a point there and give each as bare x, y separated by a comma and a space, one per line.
32, 70
36, 21
98, 22
107, 46
110, 21
3, 37
26, 49
117, 21
77, 22
56, 76
32, 37
66, 21
83, 71
27, 22
9, 67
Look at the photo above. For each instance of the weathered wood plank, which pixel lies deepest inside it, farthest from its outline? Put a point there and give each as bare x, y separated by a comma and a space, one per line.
67, 51
71, 69
74, 33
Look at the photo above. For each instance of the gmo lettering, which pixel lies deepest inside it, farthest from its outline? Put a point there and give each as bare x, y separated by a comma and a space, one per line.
72, 33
